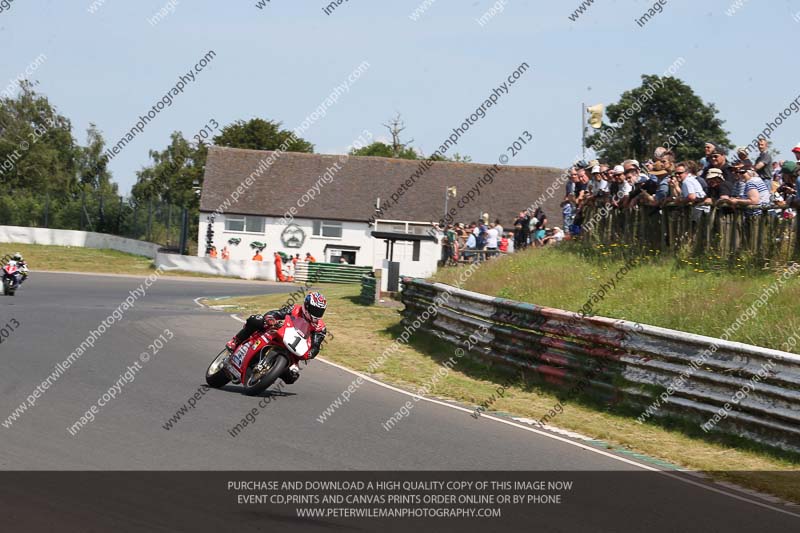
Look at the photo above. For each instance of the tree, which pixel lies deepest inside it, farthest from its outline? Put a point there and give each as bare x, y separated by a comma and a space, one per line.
37, 150
259, 134
380, 149
92, 164
95, 178
173, 174
395, 127
38, 163
396, 150
662, 111
455, 158
402, 150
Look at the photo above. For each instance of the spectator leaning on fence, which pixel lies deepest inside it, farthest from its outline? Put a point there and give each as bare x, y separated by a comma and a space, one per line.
690, 189
582, 185
788, 188
718, 188
754, 192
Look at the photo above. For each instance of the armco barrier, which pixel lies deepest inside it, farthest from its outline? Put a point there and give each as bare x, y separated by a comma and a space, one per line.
621, 361
83, 239
206, 265
329, 272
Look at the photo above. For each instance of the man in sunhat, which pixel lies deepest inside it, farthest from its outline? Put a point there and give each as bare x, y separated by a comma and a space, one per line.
742, 156
656, 197
718, 188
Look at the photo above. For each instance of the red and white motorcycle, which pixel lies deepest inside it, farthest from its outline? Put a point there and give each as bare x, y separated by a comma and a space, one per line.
263, 358
12, 278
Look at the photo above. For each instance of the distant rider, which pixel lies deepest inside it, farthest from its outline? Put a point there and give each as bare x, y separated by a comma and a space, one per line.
20, 263
312, 309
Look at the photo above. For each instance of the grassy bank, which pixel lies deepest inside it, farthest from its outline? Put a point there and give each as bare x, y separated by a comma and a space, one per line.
657, 291
75, 259
362, 333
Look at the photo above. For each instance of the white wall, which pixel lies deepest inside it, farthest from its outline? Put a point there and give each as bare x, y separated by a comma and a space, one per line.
430, 253
83, 239
241, 269
371, 252
353, 234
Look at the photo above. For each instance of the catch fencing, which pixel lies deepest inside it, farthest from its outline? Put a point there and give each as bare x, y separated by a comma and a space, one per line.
621, 362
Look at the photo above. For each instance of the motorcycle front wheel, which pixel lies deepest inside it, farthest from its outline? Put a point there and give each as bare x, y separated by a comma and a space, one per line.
263, 371
216, 377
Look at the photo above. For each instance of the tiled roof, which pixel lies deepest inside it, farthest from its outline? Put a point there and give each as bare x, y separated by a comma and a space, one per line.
352, 193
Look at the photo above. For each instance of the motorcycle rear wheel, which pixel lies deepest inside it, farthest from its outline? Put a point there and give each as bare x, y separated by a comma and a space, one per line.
276, 365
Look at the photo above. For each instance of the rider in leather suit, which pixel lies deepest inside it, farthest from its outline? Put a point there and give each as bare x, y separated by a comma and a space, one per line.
312, 309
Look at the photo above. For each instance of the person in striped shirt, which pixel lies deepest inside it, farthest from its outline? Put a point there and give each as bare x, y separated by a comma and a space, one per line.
754, 192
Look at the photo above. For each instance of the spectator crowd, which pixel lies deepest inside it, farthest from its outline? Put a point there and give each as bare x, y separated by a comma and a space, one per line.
482, 239
756, 186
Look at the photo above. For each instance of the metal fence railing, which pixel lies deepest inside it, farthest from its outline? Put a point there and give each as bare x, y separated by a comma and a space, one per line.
150, 220
623, 362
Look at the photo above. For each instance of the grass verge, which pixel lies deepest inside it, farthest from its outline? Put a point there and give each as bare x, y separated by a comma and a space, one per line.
655, 292
362, 333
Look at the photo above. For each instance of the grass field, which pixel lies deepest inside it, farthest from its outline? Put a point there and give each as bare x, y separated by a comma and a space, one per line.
362, 333
655, 292
75, 259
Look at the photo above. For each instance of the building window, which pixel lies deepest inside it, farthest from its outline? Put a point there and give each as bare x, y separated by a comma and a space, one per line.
244, 224
415, 251
324, 228
336, 256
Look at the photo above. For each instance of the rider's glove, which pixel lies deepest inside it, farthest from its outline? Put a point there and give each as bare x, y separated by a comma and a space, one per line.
313, 352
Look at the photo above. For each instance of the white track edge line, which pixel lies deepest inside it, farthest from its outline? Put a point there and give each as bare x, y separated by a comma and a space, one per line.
554, 437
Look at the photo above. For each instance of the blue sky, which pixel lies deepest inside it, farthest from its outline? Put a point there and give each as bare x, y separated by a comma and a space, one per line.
282, 61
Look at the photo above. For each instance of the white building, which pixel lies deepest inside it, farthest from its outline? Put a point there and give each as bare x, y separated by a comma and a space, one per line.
325, 205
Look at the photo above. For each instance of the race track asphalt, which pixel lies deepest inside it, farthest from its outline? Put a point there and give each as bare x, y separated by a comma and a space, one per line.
56, 311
